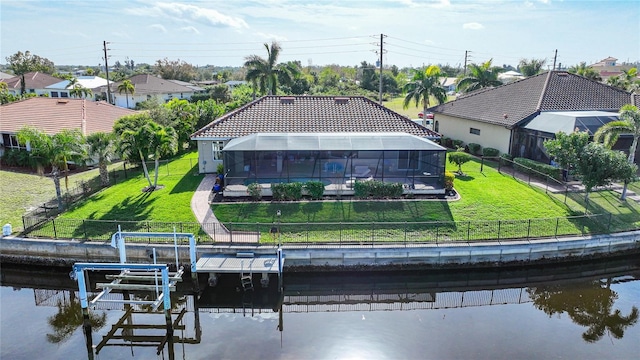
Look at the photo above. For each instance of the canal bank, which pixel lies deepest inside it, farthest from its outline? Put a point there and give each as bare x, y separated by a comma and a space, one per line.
339, 257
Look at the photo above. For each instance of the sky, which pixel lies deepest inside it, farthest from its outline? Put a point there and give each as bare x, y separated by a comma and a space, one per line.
323, 32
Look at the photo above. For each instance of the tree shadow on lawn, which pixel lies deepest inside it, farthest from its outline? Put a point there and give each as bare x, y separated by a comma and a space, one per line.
601, 223
188, 182
136, 211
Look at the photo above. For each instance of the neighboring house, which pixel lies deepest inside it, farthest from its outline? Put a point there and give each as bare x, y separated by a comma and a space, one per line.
332, 139
233, 83
510, 76
61, 89
53, 115
35, 83
609, 67
516, 118
4, 76
150, 86
450, 84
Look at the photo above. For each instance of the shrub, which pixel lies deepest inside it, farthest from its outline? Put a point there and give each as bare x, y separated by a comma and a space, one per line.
287, 191
315, 189
490, 152
255, 191
505, 159
457, 143
474, 148
220, 169
446, 142
377, 189
449, 177
536, 168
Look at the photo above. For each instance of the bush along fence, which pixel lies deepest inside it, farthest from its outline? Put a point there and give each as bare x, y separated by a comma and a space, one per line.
336, 233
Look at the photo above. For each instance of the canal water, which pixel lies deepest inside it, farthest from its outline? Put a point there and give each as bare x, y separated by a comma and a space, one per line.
581, 311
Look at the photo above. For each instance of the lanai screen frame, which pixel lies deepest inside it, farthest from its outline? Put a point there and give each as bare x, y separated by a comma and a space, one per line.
335, 158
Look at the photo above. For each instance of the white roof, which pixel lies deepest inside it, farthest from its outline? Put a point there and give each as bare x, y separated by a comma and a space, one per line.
567, 121
89, 82
331, 141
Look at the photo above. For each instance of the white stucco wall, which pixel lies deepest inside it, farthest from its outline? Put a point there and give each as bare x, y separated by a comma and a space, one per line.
493, 136
206, 163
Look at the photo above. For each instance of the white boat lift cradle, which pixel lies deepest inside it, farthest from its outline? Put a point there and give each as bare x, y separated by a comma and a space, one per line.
144, 277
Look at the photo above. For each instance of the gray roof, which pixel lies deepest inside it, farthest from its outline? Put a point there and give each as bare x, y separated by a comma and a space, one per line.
567, 121
331, 141
150, 84
310, 114
509, 105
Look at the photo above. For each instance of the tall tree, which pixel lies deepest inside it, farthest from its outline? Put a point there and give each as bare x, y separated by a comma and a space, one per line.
163, 142
55, 151
265, 73
80, 91
101, 147
175, 69
530, 67
479, 77
566, 148
21, 63
127, 88
424, 85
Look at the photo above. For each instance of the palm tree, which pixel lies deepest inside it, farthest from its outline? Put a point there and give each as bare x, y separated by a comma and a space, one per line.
479, 77
423, 85
265, 73
134, 142
531, 67
127, 88
55, 151
617, 82
583, 70
163, 141
101, 147
629, 123
80, 91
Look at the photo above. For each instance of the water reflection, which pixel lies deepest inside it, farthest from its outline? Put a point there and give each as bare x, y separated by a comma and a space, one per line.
588, 304
584, 292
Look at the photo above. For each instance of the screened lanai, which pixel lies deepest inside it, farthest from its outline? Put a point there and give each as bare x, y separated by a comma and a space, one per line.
336, 159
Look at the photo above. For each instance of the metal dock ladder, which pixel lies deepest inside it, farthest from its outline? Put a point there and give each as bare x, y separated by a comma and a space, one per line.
246, 279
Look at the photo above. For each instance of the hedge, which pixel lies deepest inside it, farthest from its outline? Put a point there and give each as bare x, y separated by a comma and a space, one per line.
527, 165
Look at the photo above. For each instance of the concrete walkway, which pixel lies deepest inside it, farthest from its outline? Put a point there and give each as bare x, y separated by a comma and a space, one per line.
202, 210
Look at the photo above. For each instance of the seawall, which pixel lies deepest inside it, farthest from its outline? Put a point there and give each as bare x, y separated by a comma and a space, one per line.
337, 258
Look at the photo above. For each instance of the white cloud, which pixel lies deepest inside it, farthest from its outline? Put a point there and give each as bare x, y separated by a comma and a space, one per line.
271, 36
473, 26
190, 29
188, 13
159, 27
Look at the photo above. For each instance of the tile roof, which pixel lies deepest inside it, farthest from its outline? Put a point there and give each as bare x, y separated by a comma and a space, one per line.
310, 114
150, 84
510, 104
52, 115
33, 80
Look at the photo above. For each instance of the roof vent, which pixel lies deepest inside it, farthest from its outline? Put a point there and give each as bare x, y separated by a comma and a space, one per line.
563, 73
287, 100
62, 101
342, 100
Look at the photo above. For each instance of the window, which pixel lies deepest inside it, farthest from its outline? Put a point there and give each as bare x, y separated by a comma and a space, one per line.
54, 94
474, 131
217, 146
64, 94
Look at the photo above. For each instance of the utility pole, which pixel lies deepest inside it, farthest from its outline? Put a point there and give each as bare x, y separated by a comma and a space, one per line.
106, 68
466, 54
554, 59
381, 53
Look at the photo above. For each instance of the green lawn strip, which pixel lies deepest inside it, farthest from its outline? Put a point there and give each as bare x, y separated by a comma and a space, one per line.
492, 205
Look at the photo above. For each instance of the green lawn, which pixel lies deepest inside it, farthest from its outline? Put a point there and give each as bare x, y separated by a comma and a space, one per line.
126, 201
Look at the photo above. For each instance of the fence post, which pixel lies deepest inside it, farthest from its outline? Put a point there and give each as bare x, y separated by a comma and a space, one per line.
469, 231
481, 163
529, 229
55, 232
437, 232
340, 224
557, 223
307, 232
373, 232
609, 224
499, 223
84, 229
405, 234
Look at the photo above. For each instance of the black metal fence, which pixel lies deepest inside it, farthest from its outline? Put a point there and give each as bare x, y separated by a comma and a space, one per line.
334, 233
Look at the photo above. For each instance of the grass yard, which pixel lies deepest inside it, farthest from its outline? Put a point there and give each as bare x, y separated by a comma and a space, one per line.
23, 192
126, 201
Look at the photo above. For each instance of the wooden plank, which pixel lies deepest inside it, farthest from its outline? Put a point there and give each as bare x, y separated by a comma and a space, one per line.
141, 277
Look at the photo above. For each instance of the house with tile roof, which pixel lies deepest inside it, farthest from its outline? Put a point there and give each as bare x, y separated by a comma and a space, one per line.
333, 139
149, 86
53, 115
35, 83
517, 117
